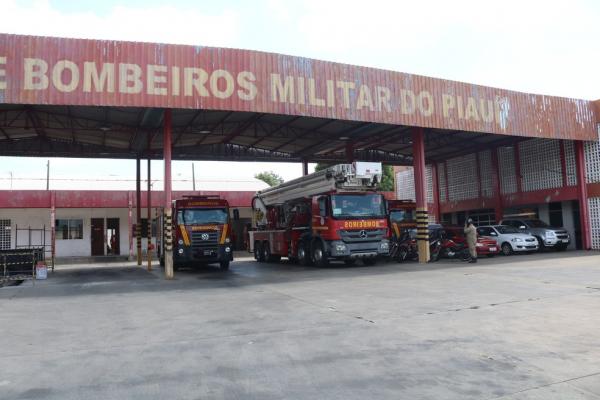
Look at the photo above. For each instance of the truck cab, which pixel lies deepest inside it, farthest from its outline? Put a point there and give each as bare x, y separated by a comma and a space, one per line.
201, 232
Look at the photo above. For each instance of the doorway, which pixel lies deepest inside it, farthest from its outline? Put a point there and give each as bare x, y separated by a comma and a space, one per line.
112, 237
97, 236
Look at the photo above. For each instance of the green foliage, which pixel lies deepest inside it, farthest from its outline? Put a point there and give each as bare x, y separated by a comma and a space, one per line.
387, 180
321, 166
270, 178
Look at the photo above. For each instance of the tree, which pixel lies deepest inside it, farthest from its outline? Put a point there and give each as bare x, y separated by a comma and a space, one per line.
321, 166
270, 178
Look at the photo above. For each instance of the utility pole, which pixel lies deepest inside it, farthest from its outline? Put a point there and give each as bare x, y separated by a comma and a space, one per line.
48, 175
193, 178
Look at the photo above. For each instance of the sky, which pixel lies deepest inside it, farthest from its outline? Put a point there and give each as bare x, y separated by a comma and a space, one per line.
545, 47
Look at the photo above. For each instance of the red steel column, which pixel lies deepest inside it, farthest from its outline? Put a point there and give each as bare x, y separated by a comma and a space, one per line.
498, 209
52, 226
149, 217
168, 212
130, 226
349, 151
421, 194
584, 212
138, 210
436, 193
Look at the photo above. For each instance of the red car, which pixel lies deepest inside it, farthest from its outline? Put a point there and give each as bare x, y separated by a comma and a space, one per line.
484, 246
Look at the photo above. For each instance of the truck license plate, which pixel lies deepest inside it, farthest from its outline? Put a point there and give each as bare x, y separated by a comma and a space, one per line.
207, 252
493, 248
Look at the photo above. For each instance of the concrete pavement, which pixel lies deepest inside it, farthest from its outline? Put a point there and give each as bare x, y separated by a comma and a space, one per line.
520, 327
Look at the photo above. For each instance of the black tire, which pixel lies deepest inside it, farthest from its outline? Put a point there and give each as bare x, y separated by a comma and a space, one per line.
258, 252
507, 249
541, 246
303, 254
369, 261
319, 258
224, 265
403, 253
266, 250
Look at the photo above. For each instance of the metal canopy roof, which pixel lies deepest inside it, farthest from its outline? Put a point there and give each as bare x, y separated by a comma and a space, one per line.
112, 132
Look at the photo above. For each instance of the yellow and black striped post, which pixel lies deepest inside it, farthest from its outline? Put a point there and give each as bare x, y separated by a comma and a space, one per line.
423, 234
168, 243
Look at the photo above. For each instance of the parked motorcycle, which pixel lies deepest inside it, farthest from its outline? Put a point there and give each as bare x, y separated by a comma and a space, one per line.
448, 248
403, 248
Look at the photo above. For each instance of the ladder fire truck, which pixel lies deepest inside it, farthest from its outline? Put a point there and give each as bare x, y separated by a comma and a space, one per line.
333, 214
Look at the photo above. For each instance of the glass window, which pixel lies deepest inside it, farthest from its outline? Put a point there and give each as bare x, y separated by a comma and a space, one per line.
67, 229
402, 216
536, 223
359, 206
503, 229
194, 216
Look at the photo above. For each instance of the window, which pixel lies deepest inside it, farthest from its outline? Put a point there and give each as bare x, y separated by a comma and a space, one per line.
68, 229
5, 235
358, 206
485, 231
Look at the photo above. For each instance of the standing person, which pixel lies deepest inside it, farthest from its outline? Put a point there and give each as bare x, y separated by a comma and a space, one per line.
471, 236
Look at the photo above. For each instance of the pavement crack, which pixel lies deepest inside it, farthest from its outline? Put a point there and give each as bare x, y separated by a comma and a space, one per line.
548, 385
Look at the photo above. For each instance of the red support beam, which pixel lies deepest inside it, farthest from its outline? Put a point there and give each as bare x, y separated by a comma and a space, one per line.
584, 213
349, 151
436, 193
518, 176
149, 217
563, 163
498, 209
420, 193
138, 210
130, 223
53, 226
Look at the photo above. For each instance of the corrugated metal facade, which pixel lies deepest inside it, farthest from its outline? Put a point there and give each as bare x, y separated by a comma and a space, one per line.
58, 71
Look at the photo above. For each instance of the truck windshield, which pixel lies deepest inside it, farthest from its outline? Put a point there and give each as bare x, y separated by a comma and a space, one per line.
195, 216
357, 206
402, 216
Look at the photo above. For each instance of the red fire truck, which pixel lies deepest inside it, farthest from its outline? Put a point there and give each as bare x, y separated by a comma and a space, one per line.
201, 232
401, 216
333, 214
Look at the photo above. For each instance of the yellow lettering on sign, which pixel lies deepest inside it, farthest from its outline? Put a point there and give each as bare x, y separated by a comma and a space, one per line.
175, 81
471, 111
425, 103
2, 73
130, 78
57, 76
346, 87
221, 75
448, 103
313, 100
35, 77
106, 77
407, 101
330, 94
364, 98
248, 89
195, 78
383, 95
459, 102
486, 114
301, 94
156, 78
280, 91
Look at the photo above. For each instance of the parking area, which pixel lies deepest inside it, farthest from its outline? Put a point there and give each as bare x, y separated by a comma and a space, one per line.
523, 327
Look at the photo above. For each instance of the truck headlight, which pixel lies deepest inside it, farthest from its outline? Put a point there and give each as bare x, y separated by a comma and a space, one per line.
385, 245
340, 247
227, 249
180, 251
550, 234
180, 242
227, 240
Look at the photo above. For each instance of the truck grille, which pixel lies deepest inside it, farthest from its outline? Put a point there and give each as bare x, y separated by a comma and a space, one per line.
562, 234
363, 235
201, 243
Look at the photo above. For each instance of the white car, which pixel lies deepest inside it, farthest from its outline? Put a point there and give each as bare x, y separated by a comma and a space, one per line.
509, 239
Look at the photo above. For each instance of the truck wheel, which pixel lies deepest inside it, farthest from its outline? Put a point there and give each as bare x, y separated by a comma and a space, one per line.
318, 255
266, 251
224, 265
303, 257
369, 261
507, 249
541, 246
258, 252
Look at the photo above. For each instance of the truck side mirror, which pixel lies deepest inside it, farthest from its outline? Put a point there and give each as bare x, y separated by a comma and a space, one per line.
236, 214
